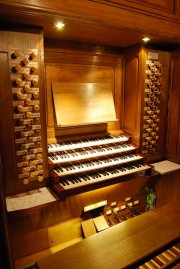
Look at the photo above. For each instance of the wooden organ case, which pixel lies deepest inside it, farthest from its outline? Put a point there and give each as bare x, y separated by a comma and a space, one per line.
87, 160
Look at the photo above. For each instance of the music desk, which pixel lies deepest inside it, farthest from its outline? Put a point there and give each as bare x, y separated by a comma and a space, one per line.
123, 245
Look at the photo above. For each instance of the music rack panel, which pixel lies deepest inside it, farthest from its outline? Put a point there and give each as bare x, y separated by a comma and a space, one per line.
81, 165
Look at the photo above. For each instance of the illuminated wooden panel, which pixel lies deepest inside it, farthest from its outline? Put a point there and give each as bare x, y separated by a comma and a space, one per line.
131, 96
80, 103
81, 72
122, 243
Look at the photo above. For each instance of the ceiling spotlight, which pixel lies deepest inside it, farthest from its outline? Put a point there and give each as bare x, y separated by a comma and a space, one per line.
146, 39
59, 25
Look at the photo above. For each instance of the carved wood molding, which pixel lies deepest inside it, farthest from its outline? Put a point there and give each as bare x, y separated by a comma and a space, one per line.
120, 23
169, 9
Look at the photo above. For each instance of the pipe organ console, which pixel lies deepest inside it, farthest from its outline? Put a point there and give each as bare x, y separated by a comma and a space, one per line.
89, 155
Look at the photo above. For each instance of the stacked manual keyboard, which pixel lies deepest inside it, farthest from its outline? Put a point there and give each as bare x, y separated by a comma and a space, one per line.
83, 164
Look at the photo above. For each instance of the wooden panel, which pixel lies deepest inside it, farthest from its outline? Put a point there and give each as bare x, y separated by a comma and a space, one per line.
6, 124
83, 103
131, 93
80, 66
173, 145
168, 189
61, 51
6, 260
123, 245
28, 221
59, 223
166, 6
29, 243
131, 109
76, 74
65, 232
47, 222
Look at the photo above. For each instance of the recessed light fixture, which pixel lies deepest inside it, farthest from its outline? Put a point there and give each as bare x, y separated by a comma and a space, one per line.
146, 39
59, 25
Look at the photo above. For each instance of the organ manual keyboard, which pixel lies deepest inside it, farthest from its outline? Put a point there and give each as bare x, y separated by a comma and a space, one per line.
84, 164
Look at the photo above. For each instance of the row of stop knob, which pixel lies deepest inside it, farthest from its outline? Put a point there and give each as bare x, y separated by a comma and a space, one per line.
20, 95
19, 81
154, 137
17, 54
18, 68
21, 108
152, 115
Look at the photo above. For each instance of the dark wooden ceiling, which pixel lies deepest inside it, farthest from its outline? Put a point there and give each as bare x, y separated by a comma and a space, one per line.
94, 23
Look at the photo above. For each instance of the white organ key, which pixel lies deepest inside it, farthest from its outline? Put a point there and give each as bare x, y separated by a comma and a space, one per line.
87, 143
62, 157
97, 164
103, 176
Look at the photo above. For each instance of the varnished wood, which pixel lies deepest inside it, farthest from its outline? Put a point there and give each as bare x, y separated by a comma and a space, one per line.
168, 188
69, 64
72, 132
6, 259
173, 145
123, 245
6, 122
57, 51
28, 220
131, 99
43, 223
117, 23
48, 218
83, 103
160, 6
